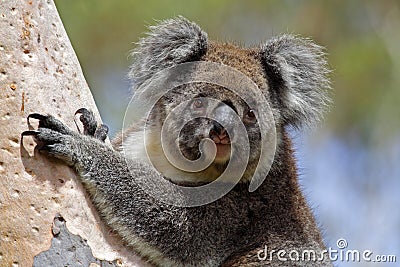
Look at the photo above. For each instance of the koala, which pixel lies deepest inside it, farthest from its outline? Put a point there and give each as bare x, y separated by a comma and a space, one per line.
241, 228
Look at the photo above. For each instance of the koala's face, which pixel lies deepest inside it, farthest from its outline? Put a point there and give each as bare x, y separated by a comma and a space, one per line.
207, 112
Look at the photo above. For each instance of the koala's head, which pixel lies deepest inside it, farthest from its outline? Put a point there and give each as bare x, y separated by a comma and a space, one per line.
290, 72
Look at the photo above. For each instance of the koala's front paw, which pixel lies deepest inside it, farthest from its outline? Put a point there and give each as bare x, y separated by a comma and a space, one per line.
90, 125
60, 141
54, 138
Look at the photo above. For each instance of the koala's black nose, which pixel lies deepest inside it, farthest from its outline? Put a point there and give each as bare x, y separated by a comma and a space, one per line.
225, 116
219, 134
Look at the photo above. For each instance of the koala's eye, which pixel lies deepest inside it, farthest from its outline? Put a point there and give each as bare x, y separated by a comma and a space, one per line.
198, 103
250, 117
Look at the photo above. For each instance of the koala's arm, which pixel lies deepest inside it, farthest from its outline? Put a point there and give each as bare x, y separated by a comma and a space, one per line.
112, 181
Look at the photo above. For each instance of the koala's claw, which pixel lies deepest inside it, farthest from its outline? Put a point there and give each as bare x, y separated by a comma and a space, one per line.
47, 147
49, 122
37, 116
30, 133
46, 136
88, 121
90, 125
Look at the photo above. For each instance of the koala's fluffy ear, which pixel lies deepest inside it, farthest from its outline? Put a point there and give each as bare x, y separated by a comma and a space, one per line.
297, 74
169, 43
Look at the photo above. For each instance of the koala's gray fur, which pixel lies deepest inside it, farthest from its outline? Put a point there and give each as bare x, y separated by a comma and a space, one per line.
298, 70
291, 73
177, 41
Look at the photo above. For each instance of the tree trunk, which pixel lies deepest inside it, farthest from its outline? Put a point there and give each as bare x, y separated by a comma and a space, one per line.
39, 72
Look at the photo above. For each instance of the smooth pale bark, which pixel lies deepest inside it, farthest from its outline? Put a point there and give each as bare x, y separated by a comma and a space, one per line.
39, 72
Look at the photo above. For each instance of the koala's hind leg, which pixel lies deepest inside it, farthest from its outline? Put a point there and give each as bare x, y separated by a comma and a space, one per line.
90, 126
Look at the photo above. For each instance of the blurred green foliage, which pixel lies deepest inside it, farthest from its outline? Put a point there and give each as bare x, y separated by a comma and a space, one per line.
361, 37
